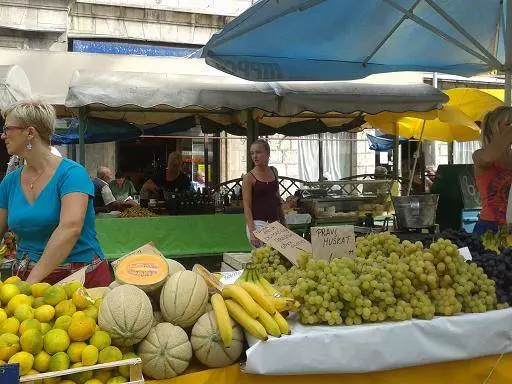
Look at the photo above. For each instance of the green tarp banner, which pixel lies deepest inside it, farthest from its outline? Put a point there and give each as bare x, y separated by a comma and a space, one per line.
174, 236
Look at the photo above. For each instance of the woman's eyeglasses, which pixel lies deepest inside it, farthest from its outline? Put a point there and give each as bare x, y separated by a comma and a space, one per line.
7, 128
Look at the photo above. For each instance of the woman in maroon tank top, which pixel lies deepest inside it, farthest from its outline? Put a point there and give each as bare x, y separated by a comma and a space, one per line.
260, 188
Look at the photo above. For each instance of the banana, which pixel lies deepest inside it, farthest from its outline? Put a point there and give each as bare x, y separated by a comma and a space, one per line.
242, 297
223, 319
247, 322
284, 303
268, 287
259, 296
282, 323
212, 282
269, 323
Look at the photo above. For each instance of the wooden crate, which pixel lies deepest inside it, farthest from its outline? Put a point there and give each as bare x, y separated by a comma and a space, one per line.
135, 371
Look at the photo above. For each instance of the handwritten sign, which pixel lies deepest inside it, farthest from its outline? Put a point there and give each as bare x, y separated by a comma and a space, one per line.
285, 241
333, 242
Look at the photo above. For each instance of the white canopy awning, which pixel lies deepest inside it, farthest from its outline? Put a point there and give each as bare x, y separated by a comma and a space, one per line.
201, 93
14, 85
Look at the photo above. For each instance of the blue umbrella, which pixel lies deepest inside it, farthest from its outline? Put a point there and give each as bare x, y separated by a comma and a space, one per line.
278, 40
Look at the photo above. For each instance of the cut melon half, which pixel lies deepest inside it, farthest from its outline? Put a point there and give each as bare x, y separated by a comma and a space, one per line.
147, 272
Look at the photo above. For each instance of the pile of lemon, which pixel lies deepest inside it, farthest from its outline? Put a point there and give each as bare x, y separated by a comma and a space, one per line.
47, 328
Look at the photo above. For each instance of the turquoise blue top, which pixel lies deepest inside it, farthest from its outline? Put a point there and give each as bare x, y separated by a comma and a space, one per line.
35, 223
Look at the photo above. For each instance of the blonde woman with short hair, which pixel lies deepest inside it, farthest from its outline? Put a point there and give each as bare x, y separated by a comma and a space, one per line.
48, 202
493, 168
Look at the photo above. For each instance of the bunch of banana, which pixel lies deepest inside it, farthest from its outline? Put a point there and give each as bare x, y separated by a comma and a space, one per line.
491, 242
281, 303
248, 305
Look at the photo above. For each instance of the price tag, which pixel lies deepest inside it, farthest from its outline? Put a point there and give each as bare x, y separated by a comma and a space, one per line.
465, 253
333, 242
230, 277
288, 243
9, 373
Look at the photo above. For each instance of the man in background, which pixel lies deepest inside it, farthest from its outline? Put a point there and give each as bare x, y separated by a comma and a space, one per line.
104, 200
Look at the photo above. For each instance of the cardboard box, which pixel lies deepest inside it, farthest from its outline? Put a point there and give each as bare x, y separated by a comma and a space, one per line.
237, 261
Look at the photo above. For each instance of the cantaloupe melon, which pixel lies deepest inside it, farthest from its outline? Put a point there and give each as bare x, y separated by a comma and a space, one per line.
145, 271
183, 298
174, 267
126, 315
165, 352
207, 343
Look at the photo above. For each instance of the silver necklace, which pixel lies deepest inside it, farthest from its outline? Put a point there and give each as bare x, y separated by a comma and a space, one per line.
31, 185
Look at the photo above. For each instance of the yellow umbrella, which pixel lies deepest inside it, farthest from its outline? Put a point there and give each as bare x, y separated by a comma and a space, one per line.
447, 124
454, 122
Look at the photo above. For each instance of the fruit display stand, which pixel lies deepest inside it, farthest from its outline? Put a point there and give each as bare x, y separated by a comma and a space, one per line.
134, 364
489, 370
381, 346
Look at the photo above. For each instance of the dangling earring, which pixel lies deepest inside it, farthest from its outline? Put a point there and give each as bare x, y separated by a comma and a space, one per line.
29, 146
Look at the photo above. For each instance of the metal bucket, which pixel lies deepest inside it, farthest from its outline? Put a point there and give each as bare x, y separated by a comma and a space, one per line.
414, 212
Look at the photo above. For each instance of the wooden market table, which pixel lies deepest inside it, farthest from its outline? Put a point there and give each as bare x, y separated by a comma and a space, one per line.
484, 370
174, 236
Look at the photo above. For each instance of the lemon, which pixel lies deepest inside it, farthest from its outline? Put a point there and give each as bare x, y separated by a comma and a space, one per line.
45, 327
42, 361
24, 287
109, 355
38, 301
125, 369
81, 329
44, 313
54, 295
93, 381
29, 324
59, 362
39, 289
67, 381
91, 312
9, 345
63, 322
56, 340
71, 287
81, 299
16, 301
75, 351
90, 355
7, 292
12, 280
80, 377
101, 340
24, 312
34, 372
11, 325
65, 307
25, 360
117, 380
31, 341
78, 315
3, 315
103, 374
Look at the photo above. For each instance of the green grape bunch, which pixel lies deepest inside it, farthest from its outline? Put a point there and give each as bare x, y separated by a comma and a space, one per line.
269, 263
388, 280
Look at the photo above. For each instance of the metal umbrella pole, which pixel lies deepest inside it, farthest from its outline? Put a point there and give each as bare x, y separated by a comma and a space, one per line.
416, 156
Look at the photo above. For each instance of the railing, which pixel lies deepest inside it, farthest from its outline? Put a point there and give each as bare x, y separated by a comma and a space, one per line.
287, 186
